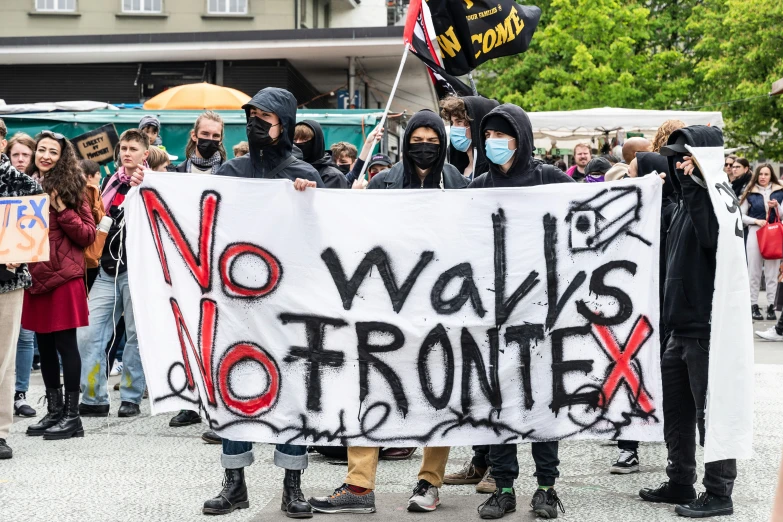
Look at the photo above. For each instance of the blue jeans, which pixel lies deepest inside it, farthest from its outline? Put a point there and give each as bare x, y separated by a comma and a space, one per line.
105, 312
239, 454
25, 348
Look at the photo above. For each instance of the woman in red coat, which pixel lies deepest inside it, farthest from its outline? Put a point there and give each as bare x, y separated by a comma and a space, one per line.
56, 304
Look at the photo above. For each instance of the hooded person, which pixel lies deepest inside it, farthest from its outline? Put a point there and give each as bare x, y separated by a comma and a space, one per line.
507, 139
423, 163
465, 115
309, 137
271, 124
596, 170
271, 119
691, 259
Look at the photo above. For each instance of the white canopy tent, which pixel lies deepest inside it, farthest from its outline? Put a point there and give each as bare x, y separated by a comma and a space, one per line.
567, 128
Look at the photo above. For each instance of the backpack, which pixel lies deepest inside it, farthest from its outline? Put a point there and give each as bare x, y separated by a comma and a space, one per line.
93, 253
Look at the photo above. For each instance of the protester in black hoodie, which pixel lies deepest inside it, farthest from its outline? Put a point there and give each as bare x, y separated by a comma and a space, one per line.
464, 115
309, 137
506, 136
271, 118
691, 247
423, 166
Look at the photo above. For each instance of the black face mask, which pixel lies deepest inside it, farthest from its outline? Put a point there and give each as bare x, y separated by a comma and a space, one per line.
207, 148
258, 132
307, 150
345, 169
424, 155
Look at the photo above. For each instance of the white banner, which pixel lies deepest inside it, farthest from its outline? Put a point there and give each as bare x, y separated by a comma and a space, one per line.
411, 317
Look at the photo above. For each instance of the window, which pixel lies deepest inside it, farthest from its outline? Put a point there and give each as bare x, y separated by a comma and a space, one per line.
55, 5
227, 7
141, 6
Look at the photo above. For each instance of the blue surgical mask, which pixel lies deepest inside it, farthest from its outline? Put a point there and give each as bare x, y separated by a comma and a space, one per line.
497, 150
458, 138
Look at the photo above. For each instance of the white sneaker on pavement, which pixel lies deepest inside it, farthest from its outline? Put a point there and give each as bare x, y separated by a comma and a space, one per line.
425, 497
116, 369
770, 334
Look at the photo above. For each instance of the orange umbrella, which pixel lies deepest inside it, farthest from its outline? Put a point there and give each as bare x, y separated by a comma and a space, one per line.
198, 96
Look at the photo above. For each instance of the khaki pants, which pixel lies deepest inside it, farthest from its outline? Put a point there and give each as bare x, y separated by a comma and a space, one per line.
363, 463
10, 322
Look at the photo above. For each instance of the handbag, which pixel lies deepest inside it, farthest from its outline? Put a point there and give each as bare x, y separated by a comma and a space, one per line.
770, 238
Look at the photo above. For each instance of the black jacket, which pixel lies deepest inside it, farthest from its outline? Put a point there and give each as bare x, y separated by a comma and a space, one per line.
526, 171
477, 107
691, 244
403, 175
740, 184
318, 158
259, 163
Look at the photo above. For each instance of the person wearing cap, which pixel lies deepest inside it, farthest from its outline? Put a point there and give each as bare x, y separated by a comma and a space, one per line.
507, 139
691, 251
596, 170
150, 125
271, 122
378, 163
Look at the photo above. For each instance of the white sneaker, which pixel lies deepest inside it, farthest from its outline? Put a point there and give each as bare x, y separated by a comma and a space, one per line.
425, 497
116, 369
627, 462
770, 334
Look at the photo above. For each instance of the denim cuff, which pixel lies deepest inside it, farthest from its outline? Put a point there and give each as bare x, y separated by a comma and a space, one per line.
294, 462
237, 461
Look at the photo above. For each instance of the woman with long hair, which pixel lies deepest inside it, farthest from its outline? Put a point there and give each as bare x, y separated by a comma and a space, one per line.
205, 152
740, 175
56, 304
760, 202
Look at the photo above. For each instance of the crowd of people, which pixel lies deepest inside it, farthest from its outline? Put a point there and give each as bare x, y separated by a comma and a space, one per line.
44, 306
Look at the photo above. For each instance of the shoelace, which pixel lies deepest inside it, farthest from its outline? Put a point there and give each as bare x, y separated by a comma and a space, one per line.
701, 500
556, 501
493, 500
625, 455
421, 488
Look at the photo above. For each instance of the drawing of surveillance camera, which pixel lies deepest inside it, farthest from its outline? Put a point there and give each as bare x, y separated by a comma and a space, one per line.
596, 222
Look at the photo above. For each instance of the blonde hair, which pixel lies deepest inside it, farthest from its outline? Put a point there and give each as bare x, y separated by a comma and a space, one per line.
213, 116
157, 158
22, 139
664, 131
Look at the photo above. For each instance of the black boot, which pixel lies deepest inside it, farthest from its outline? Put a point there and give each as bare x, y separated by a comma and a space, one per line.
54, 405
756, 313
294, 503
771, 313
70, 425
232, 496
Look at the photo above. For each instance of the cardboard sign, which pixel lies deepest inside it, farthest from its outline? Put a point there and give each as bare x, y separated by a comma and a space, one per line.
24, 229
97, 145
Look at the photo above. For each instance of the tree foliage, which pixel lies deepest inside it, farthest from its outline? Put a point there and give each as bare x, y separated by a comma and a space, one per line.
653, 54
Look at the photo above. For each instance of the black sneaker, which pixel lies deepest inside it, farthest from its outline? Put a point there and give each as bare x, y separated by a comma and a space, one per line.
627, 462
756, 313
21, 408
128, 409
36, 363
343, 500
185, 418
669, 493
93, 410
210, 437
545, 503
497, 505
771, 313
5, 451
707, 505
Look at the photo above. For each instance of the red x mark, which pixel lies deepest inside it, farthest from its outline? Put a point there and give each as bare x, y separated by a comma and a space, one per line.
622, 358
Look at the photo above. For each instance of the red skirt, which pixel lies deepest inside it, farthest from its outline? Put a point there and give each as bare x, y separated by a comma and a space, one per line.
63, 308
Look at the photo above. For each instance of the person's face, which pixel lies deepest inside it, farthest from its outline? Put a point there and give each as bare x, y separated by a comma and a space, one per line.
269, 117
151, 132
20, 156
764, 177
47, 154
344, 159
162, 168
425, 135
727, 165
132, 154
738, 169
582, 157
208, 130
375, 169
94, 180
493, 134
459, 122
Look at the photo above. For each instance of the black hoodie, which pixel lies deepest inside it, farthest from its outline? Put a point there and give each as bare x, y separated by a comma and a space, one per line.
259, 163
526, 171
318, 158
691, 244
403, 175
477, 107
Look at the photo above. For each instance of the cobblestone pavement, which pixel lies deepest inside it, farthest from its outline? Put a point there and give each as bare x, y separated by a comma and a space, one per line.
142, 470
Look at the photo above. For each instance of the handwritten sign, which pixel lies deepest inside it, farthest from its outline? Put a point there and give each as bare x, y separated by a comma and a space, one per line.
97, 145
24, 229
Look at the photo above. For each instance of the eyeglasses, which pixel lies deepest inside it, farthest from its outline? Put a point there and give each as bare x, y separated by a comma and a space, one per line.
56, 135
736, 166
728, 164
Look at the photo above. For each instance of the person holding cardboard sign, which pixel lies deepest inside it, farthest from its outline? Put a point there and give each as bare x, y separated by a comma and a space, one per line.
56, 303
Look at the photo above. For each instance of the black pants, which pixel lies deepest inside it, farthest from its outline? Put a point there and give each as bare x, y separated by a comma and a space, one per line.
630, 445
505, 467
64, 344
684, 371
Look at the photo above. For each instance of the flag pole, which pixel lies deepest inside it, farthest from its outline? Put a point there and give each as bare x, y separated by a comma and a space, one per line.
472, 83
386, 111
